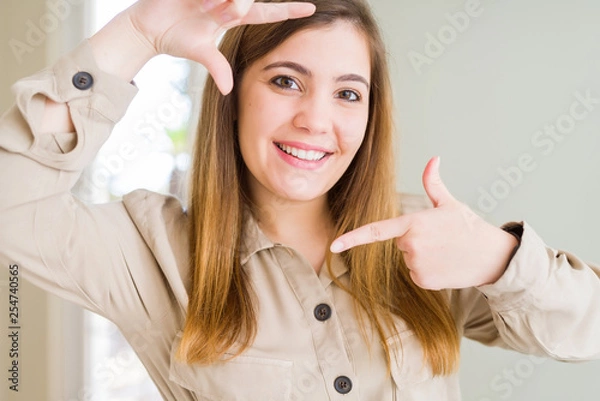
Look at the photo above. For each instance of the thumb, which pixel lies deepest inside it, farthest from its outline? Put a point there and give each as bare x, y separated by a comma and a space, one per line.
219, 68
432, 182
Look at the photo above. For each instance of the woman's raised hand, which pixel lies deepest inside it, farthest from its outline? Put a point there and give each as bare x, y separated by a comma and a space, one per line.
190, 28
448, 246
181, 28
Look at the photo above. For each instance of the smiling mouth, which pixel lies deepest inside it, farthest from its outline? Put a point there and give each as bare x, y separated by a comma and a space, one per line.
301, 154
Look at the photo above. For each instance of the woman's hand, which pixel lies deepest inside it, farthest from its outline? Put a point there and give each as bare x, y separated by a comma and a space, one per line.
190, 28
181, 28
448, 246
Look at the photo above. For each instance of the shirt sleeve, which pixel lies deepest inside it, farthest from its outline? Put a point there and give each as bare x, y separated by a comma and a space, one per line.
87, 254
545, 303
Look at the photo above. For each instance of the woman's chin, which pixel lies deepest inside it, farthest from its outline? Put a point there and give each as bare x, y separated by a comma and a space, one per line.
300, 195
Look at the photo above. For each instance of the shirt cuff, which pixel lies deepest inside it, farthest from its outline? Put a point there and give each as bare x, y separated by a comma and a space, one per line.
526, 273
96, 101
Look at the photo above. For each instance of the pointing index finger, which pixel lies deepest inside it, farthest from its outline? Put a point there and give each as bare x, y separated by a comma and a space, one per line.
373, 232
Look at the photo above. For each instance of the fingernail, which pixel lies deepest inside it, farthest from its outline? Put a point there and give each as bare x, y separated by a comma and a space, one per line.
337, 246
309, 7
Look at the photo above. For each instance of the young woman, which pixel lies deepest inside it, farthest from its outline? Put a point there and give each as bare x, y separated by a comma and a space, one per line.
247, 294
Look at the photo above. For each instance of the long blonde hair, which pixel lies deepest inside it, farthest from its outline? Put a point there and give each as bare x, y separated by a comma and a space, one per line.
221, 313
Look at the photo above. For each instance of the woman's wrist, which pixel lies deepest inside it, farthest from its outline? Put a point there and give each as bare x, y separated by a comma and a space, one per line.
120, 49
507, 244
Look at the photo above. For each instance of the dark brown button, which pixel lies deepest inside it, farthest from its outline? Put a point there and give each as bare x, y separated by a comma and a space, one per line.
343, 385
83, 80
322, 312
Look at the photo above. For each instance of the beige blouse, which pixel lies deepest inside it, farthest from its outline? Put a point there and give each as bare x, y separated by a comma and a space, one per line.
128, 262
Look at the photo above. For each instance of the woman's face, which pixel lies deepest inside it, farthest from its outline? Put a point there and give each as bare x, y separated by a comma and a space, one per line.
303, 111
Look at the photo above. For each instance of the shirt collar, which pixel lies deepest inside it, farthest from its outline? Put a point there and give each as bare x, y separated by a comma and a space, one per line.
254, 240
338, 269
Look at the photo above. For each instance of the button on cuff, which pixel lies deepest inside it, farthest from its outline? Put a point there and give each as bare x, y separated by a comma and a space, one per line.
83, 80
108, 98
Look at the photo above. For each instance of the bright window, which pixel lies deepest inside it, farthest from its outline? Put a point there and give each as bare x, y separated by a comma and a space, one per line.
147, 149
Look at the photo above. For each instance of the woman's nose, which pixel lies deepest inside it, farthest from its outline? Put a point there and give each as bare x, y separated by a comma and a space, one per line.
315, 114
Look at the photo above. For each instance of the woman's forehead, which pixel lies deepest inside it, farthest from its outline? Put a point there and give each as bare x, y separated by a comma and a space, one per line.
338, 46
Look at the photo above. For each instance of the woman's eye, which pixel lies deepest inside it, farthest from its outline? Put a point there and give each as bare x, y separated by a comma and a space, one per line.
285, 82
349, 95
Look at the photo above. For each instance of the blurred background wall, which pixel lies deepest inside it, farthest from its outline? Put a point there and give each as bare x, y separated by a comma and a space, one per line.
490, 87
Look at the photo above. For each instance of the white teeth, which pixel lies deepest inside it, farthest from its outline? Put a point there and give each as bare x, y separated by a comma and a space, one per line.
309, 155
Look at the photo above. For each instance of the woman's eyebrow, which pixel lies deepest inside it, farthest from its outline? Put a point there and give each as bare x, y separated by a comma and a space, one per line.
306, 72
355, 78
291, 65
